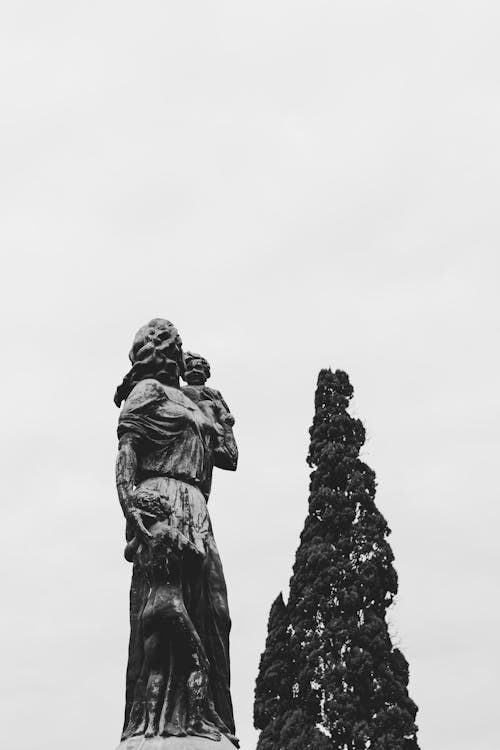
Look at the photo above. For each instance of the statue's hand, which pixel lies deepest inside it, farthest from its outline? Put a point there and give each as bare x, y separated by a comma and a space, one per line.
220, 414
135, 519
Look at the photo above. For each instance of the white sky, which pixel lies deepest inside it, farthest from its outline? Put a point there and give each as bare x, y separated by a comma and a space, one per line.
295, 185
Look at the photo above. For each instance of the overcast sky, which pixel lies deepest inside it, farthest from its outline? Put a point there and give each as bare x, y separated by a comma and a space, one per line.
295, 185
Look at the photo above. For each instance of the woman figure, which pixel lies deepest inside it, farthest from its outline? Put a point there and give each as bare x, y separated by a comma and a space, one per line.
167, 445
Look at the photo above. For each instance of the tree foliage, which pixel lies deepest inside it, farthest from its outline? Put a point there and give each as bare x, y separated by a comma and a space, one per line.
330, 676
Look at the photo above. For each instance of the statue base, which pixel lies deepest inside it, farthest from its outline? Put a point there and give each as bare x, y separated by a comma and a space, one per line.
175, 743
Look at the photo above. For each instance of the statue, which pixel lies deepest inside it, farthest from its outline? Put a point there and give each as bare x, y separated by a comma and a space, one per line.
197, 372
177, 693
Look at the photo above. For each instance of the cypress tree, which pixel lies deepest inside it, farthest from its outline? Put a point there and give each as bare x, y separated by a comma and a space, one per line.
273, 692
330, 676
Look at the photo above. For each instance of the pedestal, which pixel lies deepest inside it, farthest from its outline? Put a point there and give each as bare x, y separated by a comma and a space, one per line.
175, 743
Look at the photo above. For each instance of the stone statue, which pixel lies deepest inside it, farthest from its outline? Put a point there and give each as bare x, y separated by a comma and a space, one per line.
177, 694
210, 401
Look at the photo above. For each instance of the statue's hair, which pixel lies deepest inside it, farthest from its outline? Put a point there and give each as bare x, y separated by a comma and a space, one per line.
189, 356
156, 351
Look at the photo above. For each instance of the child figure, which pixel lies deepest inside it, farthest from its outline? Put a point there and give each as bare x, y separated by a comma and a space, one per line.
210, 401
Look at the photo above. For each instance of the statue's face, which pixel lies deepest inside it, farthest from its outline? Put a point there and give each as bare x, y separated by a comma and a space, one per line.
195, 372
169, 368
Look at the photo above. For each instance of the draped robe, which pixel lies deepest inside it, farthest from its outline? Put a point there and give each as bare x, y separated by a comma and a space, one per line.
174, 447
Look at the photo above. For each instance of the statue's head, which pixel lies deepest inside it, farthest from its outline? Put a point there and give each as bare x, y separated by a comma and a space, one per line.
197, 369
156, 353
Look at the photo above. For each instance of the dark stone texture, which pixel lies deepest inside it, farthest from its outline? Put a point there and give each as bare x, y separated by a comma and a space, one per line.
178, 674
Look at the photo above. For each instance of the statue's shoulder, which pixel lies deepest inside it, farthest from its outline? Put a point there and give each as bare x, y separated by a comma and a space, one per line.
212, 394
215, 395
145, 392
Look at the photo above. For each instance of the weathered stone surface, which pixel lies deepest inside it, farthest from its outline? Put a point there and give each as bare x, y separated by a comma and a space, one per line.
171, 438
175, 743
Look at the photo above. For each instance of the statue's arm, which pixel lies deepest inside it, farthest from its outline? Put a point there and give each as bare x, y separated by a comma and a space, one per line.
225, 455
126, 473
225, 450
